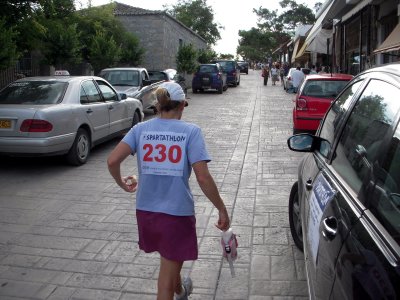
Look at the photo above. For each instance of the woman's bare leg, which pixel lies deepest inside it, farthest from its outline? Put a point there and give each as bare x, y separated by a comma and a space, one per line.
169, 279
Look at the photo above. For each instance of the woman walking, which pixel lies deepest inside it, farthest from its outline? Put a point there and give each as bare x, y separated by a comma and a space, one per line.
274, 75
265, 74
167, 150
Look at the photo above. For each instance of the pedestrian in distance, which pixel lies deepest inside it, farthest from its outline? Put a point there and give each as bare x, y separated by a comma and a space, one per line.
167, 150
265, 73
297, 78
281, 73
313, 70
274, 75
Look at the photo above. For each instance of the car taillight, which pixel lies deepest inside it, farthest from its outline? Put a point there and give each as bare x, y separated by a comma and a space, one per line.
219, 75
234, 73
32, 125
301, 104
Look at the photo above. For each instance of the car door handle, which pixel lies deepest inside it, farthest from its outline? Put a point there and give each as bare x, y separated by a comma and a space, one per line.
309, 184
110, 107
89, 111
329, 228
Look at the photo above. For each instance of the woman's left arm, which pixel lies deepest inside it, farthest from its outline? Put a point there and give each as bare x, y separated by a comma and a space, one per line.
116, 157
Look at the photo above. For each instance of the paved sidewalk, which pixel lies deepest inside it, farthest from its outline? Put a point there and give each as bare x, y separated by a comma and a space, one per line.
70, 233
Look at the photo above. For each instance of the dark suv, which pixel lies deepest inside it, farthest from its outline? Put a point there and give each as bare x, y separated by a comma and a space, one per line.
344, 210
232, 70
243, 66
209, 76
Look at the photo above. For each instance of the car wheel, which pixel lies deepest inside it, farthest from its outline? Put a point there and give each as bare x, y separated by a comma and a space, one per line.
136, 118
225, 87
295, 217
195, 91
80, 150
234, 84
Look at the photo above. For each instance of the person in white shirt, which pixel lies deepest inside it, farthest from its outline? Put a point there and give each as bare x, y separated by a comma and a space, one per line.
297, 78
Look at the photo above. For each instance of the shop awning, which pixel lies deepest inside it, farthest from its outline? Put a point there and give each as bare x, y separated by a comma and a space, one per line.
391, 43
301, 51
295, 50
356, 9
318, 24
319, 43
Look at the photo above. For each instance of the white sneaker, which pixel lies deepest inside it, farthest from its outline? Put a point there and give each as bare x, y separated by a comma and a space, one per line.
187, 285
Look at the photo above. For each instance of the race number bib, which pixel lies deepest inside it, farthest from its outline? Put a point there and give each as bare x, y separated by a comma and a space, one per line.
162, 153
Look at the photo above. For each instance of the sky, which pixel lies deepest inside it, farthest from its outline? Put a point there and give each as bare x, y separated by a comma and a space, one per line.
233, 15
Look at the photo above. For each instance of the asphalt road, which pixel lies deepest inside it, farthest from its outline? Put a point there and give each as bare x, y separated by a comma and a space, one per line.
70, 232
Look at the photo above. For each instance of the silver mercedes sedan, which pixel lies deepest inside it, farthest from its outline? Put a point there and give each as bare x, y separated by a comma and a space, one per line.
63, 115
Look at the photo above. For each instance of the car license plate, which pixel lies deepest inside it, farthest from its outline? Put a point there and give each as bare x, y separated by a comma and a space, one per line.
5, 124
206, 80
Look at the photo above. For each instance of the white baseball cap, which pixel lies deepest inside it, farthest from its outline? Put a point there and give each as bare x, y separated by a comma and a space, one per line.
175, 91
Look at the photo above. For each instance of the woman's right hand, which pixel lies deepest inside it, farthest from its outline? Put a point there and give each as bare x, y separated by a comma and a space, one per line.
129, 184
223, 220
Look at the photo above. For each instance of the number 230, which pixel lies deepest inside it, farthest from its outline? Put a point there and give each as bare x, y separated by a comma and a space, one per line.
173, 153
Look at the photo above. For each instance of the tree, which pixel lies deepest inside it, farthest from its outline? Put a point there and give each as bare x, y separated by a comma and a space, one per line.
273, 29
101, 19
13, 11
292, 16
131, 52
104, 52
186, 59
61, 44
199, 17
205, 56
8, 49
255, 44
226, 56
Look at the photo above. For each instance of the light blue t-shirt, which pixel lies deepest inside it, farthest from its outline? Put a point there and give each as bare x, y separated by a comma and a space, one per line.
166, 149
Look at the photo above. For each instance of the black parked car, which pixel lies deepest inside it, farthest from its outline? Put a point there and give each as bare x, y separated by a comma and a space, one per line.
232, 71
243, 66
344, 210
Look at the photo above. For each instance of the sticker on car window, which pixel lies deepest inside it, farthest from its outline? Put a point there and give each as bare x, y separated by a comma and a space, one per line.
321, 194
162, 153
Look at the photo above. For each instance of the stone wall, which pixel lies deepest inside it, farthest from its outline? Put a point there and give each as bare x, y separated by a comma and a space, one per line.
160, 36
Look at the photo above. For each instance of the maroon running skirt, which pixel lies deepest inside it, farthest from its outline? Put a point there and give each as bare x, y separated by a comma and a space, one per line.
174, 237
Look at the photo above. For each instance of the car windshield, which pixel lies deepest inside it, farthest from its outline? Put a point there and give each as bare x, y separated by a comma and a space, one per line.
208, 69
33, 92
227, 65
121, 77
323, 88
157, 76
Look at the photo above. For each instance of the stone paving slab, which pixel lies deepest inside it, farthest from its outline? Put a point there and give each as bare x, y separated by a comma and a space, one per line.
70, 233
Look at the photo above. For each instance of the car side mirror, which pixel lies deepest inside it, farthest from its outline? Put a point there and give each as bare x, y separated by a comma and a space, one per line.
300, 142
146, 82
123, 96
305, 142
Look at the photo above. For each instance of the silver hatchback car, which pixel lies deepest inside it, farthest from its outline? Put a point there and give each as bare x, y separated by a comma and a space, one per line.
63, 115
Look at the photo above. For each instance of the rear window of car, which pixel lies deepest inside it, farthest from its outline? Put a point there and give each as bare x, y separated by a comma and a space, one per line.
121, 77
323, 88
158, 75
33, 92
227, 65
208, 69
